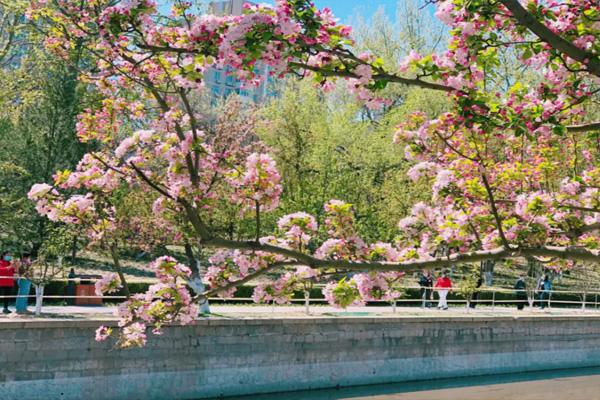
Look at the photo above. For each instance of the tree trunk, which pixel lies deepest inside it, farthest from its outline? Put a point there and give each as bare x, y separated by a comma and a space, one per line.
117, 264
39, 298
196, 281
486, 269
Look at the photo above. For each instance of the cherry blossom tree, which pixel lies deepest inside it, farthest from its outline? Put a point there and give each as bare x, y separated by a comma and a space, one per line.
512, 173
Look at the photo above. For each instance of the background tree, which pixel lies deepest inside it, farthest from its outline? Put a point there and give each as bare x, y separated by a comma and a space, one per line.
40, 99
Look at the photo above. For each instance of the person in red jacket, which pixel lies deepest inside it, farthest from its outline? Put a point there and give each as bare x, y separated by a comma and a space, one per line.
443, 285
7, 279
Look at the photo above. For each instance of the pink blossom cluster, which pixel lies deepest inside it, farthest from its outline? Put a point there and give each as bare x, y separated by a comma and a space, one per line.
378, 286
279, 291
343, 294
259, 185
109, 283
76, 209
168, 301
297, 228
228, 266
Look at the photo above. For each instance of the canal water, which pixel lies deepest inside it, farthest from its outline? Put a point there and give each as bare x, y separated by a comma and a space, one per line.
570, 384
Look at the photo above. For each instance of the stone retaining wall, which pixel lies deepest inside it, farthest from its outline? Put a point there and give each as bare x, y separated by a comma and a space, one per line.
61, 360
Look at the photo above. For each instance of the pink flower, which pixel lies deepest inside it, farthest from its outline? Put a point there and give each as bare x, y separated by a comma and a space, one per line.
103, 333
108, 284
38, 190
124, 147
444, 12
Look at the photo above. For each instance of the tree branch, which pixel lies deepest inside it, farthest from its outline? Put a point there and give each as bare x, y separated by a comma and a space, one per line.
153, 185
380, 76
529, 21
593, 126
117, 264
495, 213
574, 253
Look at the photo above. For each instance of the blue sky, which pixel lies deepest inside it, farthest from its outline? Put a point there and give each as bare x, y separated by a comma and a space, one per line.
345, 9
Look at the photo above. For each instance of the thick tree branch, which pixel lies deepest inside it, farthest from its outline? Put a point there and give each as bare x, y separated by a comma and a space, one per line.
565, 206
574, 253
576, 232
152, 184
114, 252
494, 210
529, 21
594, 126
380, 76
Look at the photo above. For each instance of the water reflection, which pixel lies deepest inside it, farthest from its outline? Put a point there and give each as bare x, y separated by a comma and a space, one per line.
574, 389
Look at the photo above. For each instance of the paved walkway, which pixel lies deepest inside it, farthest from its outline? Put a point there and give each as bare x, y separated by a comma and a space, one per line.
572, 388
298, 311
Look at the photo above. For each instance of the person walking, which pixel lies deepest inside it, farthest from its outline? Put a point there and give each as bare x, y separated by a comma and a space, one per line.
545, 289
443, 286
521, 292
24, 284
7, 279
426, 283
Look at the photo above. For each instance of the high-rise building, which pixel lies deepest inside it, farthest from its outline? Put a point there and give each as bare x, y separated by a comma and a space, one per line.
227, 7
221, 82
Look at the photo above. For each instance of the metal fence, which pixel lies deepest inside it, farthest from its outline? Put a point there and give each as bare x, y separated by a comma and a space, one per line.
585, 298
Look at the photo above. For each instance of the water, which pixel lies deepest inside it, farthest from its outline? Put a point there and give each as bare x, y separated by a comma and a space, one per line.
569, 384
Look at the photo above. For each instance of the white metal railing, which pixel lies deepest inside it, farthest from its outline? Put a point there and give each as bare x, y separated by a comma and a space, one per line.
583, 295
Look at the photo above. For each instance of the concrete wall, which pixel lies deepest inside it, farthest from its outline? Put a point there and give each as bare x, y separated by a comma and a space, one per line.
61, 360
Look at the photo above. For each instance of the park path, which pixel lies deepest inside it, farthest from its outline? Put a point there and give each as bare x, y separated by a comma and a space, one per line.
571, 388
316, 311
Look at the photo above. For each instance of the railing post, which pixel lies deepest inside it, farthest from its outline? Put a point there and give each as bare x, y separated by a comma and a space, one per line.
493, 300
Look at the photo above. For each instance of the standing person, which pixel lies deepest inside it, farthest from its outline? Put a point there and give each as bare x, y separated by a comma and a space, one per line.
545, 288
443, 284
426, 283
71, 287
24, 284
7, 279
475, 297
520, 291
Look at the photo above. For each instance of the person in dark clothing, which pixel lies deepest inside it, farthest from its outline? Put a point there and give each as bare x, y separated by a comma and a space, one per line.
475, 297
520, 291
545, 289
426, 283
71, 287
